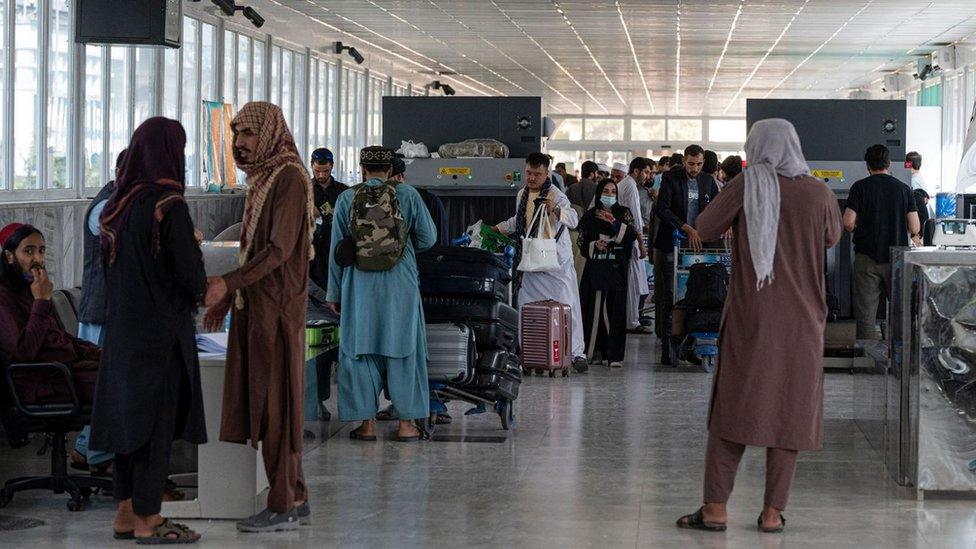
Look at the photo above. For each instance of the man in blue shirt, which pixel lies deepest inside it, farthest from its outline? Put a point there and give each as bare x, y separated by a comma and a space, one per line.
382, 336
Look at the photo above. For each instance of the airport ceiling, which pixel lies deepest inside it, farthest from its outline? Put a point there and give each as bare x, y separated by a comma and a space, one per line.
677, 57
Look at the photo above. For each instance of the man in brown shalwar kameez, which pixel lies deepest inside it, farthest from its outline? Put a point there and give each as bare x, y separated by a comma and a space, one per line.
769, 384
264, 384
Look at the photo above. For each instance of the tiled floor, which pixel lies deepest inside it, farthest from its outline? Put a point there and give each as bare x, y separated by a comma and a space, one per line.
608, 459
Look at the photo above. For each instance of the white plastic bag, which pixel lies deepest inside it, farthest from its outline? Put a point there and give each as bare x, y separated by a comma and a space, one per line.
409, 149
539, 254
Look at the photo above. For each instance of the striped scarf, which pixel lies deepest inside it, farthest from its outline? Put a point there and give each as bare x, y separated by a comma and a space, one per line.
276, 151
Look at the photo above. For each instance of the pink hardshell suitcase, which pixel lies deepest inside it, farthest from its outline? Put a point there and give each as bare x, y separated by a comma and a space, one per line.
546, 328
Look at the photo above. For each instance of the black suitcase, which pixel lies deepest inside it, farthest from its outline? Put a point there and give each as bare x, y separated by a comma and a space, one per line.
459, 271
495, 324
498, 376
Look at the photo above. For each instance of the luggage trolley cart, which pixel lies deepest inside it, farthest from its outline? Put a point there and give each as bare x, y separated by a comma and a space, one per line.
706, 342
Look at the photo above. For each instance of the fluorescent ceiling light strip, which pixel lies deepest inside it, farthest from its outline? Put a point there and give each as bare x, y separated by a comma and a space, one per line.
551, 58
588, 51
873, 43
446, 45
820, 47
633, 52
677, 63
725, 48
936, 37
371, 31
499, 50
765, 56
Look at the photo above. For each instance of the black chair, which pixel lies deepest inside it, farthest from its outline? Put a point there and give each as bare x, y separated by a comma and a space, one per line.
53, 419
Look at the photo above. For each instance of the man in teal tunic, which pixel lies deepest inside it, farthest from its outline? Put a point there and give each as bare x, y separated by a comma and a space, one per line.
382, 339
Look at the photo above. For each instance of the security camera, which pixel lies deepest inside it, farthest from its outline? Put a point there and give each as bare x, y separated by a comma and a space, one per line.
254, 17
358, 57
447, 89
353, 52
226, 6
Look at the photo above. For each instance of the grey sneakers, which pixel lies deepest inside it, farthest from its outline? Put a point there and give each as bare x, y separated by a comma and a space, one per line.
304, 514
269, 521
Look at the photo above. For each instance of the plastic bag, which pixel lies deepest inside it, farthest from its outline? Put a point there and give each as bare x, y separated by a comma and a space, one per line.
474, 148
409, 149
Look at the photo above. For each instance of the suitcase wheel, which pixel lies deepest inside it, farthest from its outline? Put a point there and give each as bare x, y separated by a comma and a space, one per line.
552, 373
506, 411
538, 371
565, 372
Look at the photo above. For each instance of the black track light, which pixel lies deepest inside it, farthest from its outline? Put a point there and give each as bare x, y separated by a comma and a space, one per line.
353, 52
229, 7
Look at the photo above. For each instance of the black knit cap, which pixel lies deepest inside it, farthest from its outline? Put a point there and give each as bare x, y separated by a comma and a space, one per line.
376, 156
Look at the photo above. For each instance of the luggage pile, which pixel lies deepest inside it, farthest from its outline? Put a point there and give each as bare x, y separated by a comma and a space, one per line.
472, 332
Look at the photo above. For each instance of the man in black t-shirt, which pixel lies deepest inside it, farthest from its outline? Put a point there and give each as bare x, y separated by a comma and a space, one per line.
326, 191
881, 212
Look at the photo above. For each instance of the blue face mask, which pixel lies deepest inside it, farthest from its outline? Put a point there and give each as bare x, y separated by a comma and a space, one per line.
608, 201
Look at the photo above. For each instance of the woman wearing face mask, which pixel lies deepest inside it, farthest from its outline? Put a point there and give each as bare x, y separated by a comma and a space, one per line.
606, 240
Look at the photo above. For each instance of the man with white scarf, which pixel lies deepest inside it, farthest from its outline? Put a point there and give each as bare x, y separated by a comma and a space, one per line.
769, 383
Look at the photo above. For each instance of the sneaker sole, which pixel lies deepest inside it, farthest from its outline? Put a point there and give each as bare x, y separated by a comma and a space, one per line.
284, 527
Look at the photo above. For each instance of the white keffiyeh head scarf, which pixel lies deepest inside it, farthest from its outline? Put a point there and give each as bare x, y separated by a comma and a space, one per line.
772, 148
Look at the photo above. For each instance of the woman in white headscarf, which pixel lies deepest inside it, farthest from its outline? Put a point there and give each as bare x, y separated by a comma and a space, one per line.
768, 388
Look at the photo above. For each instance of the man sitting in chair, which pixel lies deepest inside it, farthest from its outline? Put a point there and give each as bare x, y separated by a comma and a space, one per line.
29, 331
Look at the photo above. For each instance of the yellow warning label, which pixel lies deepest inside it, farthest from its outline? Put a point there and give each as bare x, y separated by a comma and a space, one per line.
822, 174
455, 171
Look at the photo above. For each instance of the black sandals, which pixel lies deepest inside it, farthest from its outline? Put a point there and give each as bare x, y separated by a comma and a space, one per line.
696, 521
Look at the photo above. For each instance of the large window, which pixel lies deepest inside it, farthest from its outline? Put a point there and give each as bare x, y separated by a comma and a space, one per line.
3, 96
118, 101
190, 89
144, 96
647, 129
54, 144
171, 83
243, 72
58, 101
604, 129
26, 114
258, 93
727, 131
569, 129
94, 129
230, 68
684, 130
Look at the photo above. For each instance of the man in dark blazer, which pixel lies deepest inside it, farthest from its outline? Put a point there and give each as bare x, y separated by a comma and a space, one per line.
685, 192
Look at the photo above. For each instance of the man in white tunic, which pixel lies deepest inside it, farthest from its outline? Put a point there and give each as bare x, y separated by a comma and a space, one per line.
559, 285
628, 194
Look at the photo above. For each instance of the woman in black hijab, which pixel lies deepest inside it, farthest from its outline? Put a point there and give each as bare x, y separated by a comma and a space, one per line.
148, 391
607, 237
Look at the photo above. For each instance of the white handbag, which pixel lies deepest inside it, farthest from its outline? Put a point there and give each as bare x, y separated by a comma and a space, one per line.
539, 254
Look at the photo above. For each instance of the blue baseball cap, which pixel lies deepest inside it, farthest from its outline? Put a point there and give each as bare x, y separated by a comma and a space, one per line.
323, 155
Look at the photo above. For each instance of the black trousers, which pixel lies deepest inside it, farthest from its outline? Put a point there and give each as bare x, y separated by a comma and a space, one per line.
141, 475
324, 364
663, 293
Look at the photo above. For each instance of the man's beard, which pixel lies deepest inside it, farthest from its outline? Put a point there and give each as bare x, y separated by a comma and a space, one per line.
19, 280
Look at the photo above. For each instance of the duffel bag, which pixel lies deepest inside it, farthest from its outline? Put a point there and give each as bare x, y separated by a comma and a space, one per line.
708, 286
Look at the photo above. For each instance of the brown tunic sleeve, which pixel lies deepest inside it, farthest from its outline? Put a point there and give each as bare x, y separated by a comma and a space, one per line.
288, 206
721, 213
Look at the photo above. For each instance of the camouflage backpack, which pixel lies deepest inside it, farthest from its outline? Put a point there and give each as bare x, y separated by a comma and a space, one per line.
378, 229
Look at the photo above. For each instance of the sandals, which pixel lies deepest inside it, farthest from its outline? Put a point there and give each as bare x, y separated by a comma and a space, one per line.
777, 530
170, 533
696, 521
124, 536
354, 435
